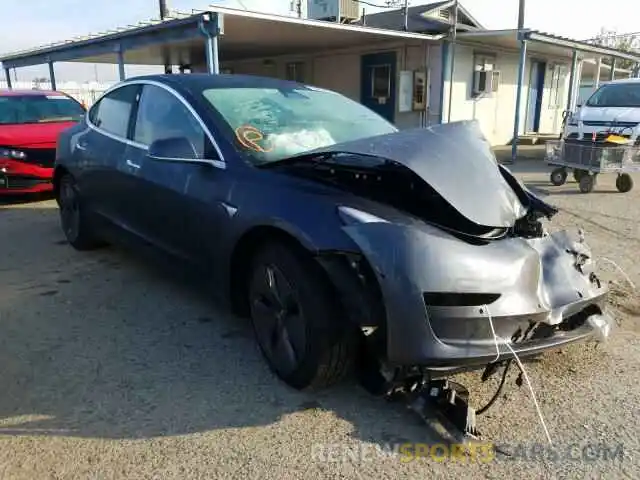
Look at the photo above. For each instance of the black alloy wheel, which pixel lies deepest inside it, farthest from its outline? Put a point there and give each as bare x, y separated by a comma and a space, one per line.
73, 218
298, 325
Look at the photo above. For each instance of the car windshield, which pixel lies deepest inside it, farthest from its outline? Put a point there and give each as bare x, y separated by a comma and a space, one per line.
271, 124
21, 109
616, 95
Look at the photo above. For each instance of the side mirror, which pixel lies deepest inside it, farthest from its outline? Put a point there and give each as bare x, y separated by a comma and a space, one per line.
174, 148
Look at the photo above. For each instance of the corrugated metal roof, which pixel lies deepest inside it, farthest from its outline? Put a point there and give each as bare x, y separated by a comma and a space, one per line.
552, 39
79, 38
180, 17
177, 16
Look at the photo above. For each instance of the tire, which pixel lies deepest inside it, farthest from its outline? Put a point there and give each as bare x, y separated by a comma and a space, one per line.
73, 217
587, 183
558, 177
578, 174
624, 183
297, 322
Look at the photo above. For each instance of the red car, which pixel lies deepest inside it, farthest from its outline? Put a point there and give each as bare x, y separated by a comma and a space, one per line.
30, 121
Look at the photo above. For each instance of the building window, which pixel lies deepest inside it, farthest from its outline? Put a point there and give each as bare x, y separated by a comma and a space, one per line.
381, 81
558, 84
486, 78
295, 72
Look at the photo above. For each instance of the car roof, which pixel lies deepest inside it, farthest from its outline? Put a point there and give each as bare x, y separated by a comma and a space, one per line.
623, 80
201, 81
29, 93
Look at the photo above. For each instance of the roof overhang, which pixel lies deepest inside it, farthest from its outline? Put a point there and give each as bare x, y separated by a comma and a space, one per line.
544, 43
180, 40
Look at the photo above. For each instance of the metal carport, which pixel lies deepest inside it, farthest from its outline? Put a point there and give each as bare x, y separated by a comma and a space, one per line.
533, 41
217, 34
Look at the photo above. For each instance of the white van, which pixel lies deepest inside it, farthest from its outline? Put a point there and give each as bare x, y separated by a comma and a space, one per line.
613, 108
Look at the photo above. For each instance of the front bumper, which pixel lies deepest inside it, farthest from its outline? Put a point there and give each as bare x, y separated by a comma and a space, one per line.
538, 295
19, 177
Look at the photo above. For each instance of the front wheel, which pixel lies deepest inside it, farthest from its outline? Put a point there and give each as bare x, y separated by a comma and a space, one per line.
297, 322
73, 217
558, 176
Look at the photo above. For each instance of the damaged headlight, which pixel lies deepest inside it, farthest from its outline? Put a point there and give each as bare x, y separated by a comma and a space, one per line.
351, 215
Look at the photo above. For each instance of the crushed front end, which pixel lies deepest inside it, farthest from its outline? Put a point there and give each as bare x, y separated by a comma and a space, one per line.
445, 298
465, 271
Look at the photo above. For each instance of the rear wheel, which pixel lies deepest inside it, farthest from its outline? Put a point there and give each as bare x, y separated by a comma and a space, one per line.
624, 183
73, 217
298, 325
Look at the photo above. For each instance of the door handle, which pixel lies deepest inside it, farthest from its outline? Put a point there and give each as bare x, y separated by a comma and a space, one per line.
81, 146
133, 165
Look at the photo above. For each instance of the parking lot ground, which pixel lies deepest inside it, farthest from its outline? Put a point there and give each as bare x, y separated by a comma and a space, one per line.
113, 368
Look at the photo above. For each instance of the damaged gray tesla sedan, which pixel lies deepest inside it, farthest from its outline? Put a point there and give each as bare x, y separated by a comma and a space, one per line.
467, 272
407, 253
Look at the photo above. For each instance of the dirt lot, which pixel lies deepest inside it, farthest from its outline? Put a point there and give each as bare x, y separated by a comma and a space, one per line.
111, 368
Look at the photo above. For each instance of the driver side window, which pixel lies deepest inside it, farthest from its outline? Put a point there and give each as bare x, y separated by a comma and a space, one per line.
161, 116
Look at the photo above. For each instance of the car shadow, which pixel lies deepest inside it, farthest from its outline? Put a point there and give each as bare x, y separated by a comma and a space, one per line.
106, 344
570, 188
7, 200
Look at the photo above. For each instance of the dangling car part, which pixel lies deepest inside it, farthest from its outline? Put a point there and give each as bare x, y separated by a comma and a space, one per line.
344, 240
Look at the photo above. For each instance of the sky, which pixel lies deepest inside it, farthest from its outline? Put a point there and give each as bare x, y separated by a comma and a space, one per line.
29, 23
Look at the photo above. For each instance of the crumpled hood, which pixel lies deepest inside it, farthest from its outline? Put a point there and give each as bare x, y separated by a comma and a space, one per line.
455, 160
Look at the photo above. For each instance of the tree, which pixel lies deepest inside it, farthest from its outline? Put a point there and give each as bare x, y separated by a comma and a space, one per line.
625, 42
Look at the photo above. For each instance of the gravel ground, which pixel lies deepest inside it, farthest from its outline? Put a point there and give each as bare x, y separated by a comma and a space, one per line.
112, 368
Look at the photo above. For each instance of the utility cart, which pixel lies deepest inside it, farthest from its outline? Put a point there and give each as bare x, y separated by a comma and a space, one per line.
588, 159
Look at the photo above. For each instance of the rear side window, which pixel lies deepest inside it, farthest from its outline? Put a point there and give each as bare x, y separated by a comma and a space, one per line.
113, 112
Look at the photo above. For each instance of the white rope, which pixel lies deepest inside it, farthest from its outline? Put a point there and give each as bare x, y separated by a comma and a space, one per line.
624, 274
493, 332
496, 339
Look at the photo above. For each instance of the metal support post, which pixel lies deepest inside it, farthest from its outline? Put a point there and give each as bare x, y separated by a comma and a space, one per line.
7, 74
516, 122
596, 82
572, 80
612, 72
121, 72
211, 27
444, 79
52, 76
